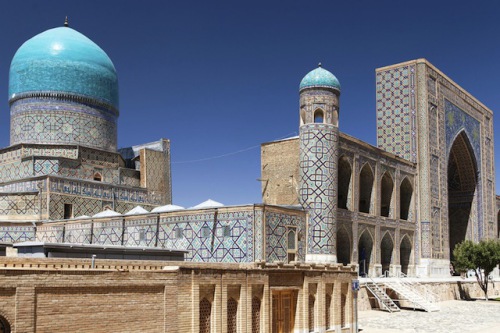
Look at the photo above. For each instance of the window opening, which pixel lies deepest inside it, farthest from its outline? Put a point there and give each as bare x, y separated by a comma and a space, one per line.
232, 310
68, 211
319, 117
205, 313
179, 232
255, 315
98, 177
311, 313
205, 232
226, 231
291, 243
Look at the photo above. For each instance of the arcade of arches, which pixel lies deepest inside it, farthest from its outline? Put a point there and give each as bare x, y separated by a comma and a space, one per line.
376, 251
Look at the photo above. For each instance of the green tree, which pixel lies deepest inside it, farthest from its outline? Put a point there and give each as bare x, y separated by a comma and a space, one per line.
482, 257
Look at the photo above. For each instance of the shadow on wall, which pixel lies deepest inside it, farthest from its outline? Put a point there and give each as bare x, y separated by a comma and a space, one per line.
463, 292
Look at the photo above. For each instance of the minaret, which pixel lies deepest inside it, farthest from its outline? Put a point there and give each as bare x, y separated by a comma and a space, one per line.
319, 140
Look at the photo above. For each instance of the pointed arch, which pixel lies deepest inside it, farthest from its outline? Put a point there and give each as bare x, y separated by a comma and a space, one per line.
405, 198
386, 191
4, 325
256, 303
311, 306
328, 311
365, 188
462, 187
386, 251
232, 312
97, 176
319, 116
343, 246
205, 316
344, 183
405, 252
365, 249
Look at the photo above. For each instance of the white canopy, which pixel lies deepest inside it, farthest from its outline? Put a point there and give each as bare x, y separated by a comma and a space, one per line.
166, 208
208, 204
136, 210
107, 213
82, 217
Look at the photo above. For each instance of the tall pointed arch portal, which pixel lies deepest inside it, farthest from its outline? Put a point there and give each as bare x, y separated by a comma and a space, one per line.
462, 189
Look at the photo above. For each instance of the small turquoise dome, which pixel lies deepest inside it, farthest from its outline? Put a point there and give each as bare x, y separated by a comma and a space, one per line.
63, 60
320, 77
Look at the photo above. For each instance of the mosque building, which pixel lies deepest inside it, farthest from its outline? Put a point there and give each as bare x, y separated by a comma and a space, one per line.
62, 161
333, 206
328, 197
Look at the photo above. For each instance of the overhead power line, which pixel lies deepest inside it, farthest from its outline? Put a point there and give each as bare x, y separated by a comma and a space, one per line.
231, 153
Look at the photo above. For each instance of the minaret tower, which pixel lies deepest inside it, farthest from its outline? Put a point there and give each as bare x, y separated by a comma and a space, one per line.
319, 140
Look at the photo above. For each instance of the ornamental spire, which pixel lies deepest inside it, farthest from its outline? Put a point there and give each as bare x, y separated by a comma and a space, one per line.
66, 23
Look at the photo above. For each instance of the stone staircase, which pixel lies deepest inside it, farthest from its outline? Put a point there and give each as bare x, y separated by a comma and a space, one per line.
406, 290
385, 302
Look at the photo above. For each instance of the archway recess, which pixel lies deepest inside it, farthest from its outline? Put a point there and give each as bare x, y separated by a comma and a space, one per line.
462, 187
365, 188
344, 186
4, 325
343, 246
386, 251
405, 254
365, 248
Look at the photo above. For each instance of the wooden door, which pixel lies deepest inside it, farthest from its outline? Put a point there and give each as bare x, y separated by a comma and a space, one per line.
283, 311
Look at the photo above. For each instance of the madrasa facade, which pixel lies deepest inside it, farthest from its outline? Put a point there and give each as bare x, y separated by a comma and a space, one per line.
328, 198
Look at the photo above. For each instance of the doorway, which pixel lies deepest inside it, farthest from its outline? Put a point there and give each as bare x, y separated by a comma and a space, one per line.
283, 311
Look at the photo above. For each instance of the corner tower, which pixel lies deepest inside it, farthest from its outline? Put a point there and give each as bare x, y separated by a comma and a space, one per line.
63, 89
319, 139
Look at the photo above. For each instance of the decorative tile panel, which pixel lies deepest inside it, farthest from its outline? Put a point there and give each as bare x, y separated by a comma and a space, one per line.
16, 234
276, 236
56, 121
318, 180
396, 109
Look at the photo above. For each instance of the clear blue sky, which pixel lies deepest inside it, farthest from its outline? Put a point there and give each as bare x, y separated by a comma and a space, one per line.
216, 77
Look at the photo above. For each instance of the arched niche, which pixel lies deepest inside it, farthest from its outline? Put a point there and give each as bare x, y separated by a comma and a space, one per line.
344, 183
386, 191
462, 189
365, 188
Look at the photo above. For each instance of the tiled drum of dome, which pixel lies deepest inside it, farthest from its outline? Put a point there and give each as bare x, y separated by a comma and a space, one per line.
37, 120
318, 179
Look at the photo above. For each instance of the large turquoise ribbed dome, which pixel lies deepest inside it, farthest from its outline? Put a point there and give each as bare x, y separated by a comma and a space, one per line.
320, 77
63, 60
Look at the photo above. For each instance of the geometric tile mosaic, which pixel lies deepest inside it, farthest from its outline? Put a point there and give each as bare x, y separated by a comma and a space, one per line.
57, 121
276, 240
14, 234
207, 236
317, 193
396, 111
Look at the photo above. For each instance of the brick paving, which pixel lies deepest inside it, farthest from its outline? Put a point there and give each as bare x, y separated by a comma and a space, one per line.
455, 316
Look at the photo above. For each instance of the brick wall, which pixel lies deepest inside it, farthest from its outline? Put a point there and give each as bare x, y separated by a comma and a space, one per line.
66, 295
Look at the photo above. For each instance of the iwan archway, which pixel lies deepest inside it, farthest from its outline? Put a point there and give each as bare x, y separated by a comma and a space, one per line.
462, 191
